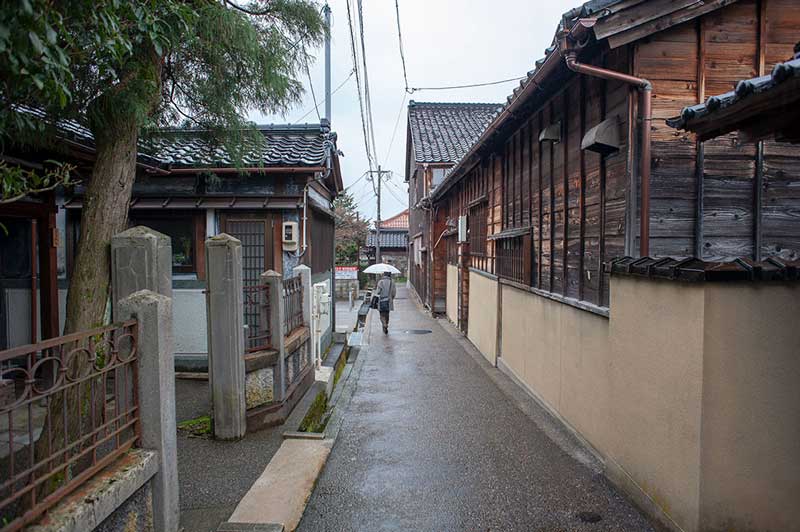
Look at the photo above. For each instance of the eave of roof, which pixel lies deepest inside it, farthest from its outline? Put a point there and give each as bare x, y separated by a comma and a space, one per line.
752, 98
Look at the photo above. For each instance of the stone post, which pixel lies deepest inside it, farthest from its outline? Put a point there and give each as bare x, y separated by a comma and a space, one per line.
304, 272
141, 259
157, 398
225, 315
275, 282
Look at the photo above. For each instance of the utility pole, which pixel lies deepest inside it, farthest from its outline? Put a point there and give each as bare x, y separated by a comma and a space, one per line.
327, 12
378, 220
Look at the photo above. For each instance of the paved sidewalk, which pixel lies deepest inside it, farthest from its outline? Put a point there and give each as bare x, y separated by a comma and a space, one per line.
432, 443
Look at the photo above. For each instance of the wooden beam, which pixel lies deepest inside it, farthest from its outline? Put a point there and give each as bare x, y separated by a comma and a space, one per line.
696, 10
602, 244
541, 167
582, 190
638, 15
758, 181
699, 146
565, 182
48, 270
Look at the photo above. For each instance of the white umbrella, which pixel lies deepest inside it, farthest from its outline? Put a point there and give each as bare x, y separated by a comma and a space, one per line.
381, 268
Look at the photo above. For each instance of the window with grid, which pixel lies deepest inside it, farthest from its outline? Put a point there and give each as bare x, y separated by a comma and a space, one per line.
478, 229
514, 258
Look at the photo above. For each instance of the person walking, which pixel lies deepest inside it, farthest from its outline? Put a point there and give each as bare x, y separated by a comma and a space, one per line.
385, 291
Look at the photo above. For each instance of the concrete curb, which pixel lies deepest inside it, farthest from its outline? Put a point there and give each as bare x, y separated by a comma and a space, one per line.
290, 505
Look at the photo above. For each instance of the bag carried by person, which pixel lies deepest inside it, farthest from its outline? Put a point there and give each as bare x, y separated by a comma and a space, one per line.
373, 303
384, 304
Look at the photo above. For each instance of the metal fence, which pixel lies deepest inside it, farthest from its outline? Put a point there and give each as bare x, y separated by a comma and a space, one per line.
258, 335
292, 304
74, 410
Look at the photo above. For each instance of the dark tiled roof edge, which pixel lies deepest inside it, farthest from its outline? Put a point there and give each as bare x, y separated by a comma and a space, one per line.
744, 88
697, 270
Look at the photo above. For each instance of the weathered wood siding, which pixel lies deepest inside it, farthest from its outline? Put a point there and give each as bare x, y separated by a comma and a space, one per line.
742, 197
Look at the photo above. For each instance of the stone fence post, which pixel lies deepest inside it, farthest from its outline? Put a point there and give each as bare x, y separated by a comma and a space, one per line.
141, 259
304, 272
225, 315
274, 281
157, 398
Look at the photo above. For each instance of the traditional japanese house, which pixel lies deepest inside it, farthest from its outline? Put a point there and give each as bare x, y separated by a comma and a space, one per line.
277, 201
438, 135
393, 240
619, 265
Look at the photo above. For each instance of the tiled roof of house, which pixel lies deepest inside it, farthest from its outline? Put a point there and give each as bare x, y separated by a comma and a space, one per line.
398, 221
389, 239
443, 132
278, 145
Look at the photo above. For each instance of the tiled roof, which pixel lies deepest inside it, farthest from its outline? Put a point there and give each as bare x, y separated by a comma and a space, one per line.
781, 73
398, 221
282, 145
278, 145
389, 239
443, 132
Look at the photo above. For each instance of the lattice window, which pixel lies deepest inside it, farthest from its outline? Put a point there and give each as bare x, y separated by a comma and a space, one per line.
478, 229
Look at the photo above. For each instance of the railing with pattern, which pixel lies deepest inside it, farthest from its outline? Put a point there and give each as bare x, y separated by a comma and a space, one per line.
258, 336
74, 410
292, 304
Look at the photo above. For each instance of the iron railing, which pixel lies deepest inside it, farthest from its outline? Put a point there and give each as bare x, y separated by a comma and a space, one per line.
258, 335
292, 304
74, 410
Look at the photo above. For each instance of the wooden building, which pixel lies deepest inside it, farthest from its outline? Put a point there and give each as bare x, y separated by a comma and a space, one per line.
278, 202
580, 162
438, 135
640, 282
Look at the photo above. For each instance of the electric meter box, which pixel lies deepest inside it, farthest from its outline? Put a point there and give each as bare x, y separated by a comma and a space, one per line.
290, 236
462, 229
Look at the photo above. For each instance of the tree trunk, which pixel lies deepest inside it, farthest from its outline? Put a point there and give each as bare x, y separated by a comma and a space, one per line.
105, 213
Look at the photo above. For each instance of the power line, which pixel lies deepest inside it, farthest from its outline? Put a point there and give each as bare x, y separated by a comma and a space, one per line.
313, 95
400, 42
367, 98
356, 181
415, 89
394, 132
354, 52
334, 91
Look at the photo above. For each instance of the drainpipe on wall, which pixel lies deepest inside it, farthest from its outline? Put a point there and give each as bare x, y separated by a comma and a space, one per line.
328, 145
570, 55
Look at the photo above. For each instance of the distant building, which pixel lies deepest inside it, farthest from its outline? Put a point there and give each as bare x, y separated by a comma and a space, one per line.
394, 242
438, 135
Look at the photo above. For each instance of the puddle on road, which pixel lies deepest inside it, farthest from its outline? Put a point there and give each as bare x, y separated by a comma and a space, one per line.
417, 331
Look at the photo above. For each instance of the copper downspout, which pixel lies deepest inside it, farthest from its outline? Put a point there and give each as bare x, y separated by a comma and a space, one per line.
646, 90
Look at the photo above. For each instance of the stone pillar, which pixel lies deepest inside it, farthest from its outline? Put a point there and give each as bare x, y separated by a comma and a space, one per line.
275, 282
225, 315
157, 398
141, 259
304, 272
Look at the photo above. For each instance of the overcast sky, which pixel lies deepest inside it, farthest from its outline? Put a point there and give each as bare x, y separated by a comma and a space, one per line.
446, 42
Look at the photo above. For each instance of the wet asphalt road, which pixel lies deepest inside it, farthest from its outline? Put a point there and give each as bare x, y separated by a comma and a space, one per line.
431, 443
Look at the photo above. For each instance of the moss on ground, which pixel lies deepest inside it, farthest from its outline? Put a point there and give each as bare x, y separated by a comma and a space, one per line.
199, 427
317, 416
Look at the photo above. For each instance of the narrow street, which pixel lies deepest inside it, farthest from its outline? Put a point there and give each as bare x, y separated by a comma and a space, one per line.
436, 439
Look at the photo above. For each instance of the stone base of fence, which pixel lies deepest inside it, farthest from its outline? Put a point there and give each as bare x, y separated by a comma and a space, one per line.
278, 413
120, 497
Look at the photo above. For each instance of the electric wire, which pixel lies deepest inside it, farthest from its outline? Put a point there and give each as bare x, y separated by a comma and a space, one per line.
400, 43
313, 94
394, 132
334, 91
367, 97
354, 52
469, 86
